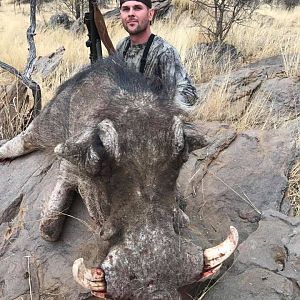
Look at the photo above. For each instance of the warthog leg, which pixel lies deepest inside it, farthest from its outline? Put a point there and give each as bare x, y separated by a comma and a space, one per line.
53, 215
21, 144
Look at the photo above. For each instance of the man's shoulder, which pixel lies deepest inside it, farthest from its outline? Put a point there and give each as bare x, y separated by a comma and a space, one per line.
160, 42
164, 47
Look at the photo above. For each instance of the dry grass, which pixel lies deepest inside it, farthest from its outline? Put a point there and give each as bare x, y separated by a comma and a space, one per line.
267, 34
203, 64
293, 192
244, 115
183, 5
15, 108
47, 41
291, 57
257, 39
215, 107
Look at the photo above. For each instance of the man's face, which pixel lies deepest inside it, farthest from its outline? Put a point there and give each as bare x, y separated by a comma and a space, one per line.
136, 16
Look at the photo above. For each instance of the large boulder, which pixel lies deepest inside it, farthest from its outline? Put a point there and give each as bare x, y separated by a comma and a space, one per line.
266, 265
25, 185
264, 88
217, 184
236, 177
60, 19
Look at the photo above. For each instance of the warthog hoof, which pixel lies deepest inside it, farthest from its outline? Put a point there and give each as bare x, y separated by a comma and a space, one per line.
51, 227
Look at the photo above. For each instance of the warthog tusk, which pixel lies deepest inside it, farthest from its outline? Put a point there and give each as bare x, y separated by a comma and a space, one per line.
92, 279
216, 255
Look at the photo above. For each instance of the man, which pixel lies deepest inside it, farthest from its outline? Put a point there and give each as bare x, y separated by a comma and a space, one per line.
150, 54
147, 53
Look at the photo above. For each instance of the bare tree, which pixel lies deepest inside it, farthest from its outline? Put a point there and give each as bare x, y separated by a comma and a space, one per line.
78, 7
73, 7
222, 14
25, 77
291, 4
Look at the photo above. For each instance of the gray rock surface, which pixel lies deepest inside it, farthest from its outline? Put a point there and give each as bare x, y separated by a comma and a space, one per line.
215, 184
264, 85
25, 183
235, 177
266, 265
61, 19
45, 65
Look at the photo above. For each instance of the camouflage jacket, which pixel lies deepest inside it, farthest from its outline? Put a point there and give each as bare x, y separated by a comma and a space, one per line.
163, 61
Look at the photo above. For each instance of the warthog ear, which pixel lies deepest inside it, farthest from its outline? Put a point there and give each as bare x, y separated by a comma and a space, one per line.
85, 150
88, 149
178, 139
109, 138
194, 138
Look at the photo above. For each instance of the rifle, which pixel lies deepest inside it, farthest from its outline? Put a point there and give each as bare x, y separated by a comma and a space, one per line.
97, 32
94, 41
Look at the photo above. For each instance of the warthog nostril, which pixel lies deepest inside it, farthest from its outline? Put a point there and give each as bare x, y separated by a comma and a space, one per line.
132, 277
150, 283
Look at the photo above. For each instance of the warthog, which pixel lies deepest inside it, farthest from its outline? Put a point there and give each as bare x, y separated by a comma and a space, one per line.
121, 146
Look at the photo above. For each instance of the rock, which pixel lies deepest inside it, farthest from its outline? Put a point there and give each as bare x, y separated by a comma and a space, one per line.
163, 8
253, 284
61, 19
264, 20
78, 27
24, 185
266, 265
231, 168
262, 88
160, 5
45, 65
235, 177
221, 52
269, 61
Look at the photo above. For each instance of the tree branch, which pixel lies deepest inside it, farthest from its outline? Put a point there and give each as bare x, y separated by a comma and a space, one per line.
25, 77
225, 13
30, 39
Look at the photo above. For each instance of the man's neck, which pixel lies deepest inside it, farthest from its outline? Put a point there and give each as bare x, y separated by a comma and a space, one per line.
141, 38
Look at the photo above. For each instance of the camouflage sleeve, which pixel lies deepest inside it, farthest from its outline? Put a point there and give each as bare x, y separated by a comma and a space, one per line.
172, 71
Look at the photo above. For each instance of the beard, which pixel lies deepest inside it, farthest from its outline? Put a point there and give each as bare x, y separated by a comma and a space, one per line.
137, 30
